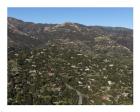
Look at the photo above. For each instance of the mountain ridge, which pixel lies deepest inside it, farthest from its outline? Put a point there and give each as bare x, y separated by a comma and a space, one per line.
43, 32
13, 18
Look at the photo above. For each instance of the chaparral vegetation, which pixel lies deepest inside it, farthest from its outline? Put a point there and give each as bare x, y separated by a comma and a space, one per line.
69, 64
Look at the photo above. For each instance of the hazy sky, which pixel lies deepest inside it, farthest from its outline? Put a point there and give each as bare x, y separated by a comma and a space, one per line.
119, 17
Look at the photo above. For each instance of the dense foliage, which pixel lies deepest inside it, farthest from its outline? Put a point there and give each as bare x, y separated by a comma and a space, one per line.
70, 67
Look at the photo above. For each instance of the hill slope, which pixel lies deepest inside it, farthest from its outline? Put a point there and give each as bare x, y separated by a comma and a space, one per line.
69, 63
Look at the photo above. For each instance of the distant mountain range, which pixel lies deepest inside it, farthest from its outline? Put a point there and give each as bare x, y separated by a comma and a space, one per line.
28, 34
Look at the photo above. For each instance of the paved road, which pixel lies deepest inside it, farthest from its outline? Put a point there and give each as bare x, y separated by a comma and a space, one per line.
80, 95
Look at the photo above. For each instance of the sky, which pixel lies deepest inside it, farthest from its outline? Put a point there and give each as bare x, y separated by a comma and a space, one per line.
116, 17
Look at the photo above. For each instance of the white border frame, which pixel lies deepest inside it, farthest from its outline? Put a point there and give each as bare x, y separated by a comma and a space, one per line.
4, 4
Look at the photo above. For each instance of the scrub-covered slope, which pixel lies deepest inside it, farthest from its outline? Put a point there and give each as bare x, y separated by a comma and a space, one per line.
69, 64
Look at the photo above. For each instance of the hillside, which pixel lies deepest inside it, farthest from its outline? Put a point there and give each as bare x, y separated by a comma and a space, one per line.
69, 64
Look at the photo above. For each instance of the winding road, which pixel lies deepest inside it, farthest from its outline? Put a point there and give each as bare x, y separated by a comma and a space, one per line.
80, 101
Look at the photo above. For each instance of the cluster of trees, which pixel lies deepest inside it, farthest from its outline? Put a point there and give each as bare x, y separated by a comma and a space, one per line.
40, 76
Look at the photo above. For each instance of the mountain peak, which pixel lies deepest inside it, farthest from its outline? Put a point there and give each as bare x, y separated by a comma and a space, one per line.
12, 19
